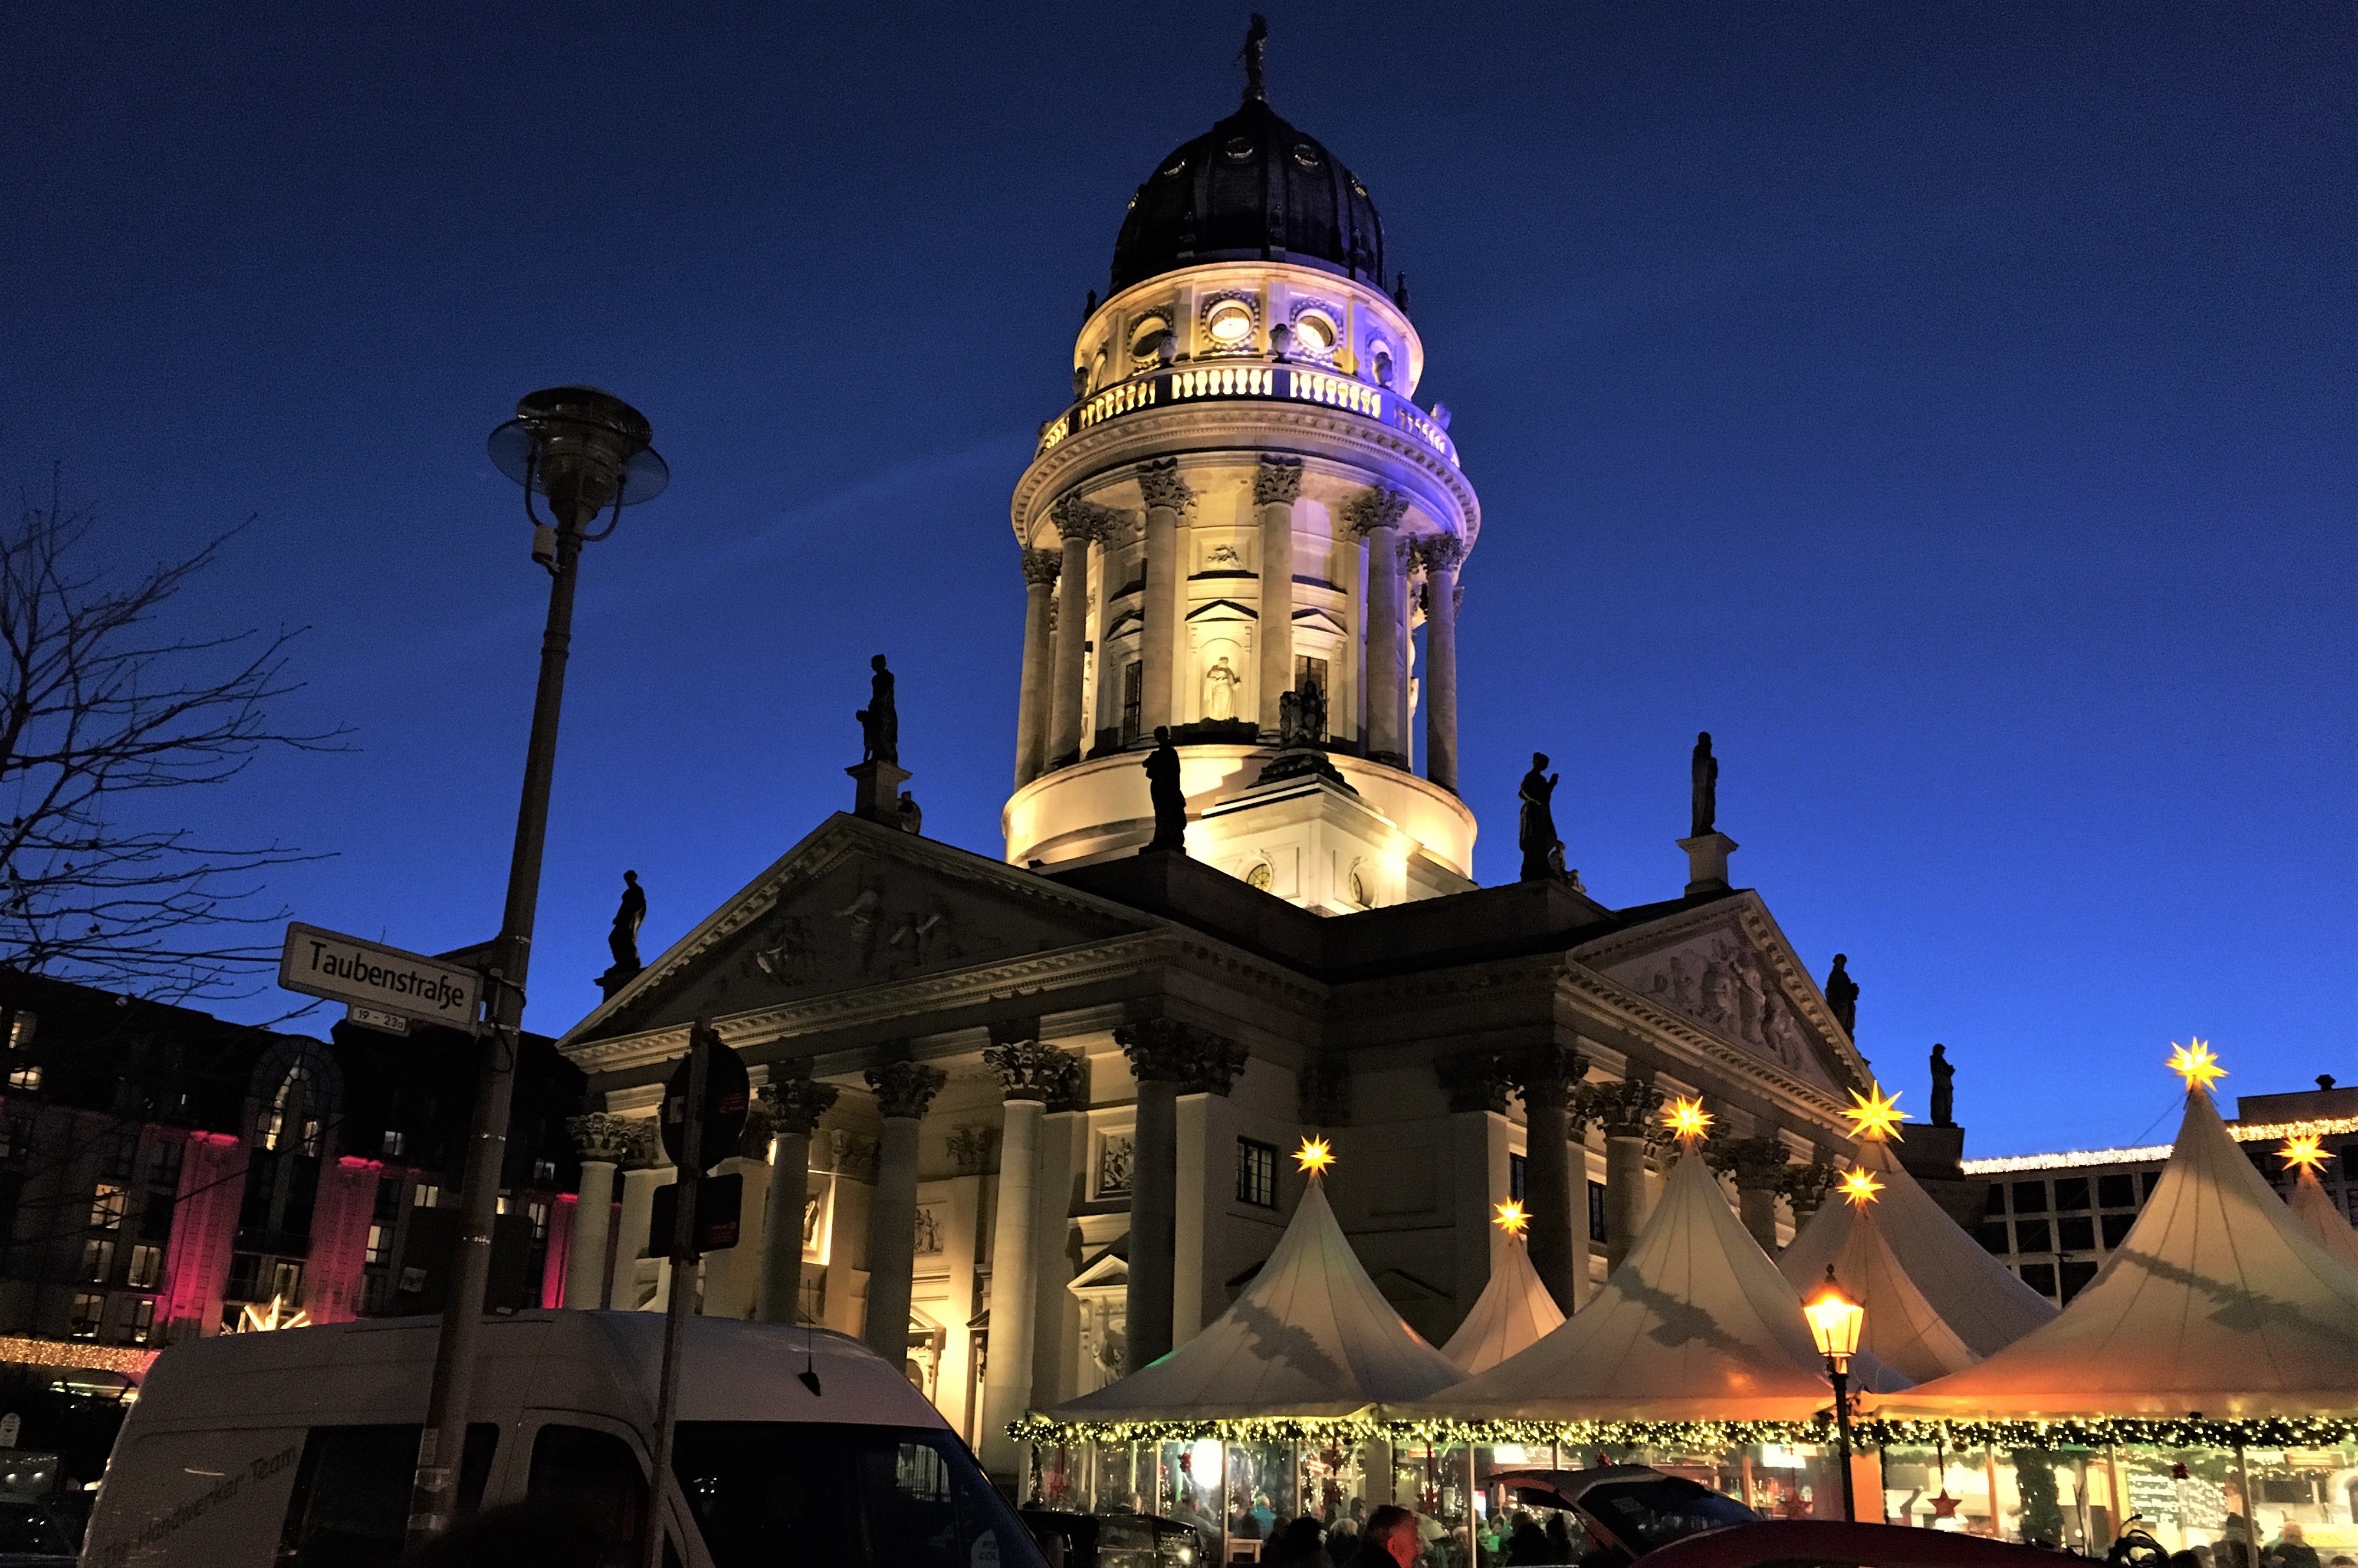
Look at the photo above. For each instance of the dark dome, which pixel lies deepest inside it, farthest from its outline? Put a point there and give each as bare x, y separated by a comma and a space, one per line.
1250, 189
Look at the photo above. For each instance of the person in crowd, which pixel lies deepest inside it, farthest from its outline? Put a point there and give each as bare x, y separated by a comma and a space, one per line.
1389, 1540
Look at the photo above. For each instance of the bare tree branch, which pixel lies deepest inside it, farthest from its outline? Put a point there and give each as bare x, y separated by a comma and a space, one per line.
101, 709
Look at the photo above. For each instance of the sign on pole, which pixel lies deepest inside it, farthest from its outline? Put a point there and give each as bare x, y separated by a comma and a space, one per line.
380, 979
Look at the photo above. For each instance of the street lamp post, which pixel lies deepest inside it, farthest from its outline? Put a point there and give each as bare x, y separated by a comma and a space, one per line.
1835, 1323
584, 452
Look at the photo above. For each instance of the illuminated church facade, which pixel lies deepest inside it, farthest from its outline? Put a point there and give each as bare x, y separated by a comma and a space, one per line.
1027, 1114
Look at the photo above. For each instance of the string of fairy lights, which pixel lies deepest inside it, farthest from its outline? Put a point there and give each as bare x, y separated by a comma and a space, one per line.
1873, 1117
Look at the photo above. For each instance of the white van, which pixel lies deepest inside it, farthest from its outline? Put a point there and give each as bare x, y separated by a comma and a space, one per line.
296, 1448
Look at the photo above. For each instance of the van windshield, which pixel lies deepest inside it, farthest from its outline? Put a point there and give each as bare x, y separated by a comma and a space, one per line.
767, 1493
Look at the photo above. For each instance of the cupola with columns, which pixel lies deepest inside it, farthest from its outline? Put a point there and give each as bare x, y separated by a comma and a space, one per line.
1235, 531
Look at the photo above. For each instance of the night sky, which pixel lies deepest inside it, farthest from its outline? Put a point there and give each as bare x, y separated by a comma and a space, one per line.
1950, 407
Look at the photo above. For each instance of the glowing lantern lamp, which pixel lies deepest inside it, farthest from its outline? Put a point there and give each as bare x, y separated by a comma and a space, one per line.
1834, 1321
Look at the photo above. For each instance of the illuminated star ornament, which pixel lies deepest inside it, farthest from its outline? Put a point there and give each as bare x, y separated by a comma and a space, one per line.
2196, 1063
1315, 1155
2301, 1154
1511, 1217
1687, 1120
1860, 1187
1875, 1115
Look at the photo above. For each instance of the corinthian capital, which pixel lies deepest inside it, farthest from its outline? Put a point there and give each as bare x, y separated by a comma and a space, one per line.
1625, 1109
1278, 481
905, 1088
796, 1104
1164, 1050
1440, 552
1040, 567
1160, 483
598, 1136
1375, 509
1029, 1070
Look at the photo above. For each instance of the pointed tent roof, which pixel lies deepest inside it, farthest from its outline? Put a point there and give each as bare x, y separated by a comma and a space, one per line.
1696, 1324
2316, 1215
1311, 1336
2217, 1301
1977, 1299
1515, 1311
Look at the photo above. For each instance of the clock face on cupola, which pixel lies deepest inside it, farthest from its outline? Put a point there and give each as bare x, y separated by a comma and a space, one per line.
1244, 532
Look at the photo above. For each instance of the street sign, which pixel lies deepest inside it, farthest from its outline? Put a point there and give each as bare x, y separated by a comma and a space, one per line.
719, 1206
727, 1093
373, 1018
386, 980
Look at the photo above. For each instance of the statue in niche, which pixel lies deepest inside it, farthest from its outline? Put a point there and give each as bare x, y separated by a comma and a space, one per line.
1945, 1089
1842, 995
1220, 683
1705, 770
622, 941
1163, 789
1535, 833
879, 721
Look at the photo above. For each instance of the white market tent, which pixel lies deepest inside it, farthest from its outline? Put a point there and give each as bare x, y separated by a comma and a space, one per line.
1696, 1324
1515, 1311
1936, 1301
2218, 1302
2316, 1215
1310, 1337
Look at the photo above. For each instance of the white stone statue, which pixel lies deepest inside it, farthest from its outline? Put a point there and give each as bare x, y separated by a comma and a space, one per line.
1220, 690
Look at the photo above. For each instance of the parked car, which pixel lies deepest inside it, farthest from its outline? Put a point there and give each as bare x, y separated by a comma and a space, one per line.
296, 1449
1115, 1541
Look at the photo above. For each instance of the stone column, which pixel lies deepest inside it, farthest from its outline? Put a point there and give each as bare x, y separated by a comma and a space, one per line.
1375, 515
1168, 1057
1627, 1112
1441, 553
1033, 1075
1276, 483
1758, 1166
602, 1141
796, 1104
1168, 499
644, 1170
1032, 708
1077, 523
904, 1090
1547, 1076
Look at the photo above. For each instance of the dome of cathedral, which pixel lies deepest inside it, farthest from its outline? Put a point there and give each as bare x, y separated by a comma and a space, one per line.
1250, 189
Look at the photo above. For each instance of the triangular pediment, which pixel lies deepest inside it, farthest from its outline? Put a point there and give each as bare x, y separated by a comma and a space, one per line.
855, 906
1726, 969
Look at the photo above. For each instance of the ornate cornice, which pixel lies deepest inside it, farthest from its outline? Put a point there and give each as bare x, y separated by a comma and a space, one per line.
1029, 1070
1277, 482
796, 1104
904, 1088
600, 1137
1040, 567
1377, 507
1159, 481
1168, 1051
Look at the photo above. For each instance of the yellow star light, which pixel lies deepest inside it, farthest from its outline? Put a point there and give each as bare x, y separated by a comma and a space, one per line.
1315, 1155
1687, 1119
1511, 1217
2302, 1153
2196, 1063
1875, 1116
1860, 1187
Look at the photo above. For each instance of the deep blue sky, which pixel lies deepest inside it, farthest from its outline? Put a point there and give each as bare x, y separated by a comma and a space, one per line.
1951, 408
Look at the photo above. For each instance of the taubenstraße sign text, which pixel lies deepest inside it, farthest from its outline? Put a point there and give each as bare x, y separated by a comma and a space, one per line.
368, 974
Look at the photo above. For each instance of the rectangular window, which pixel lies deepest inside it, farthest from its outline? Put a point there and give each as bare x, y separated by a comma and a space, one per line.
380, 1241
1515, 1165
97, 1260
106, 1208
1134, 700
1256, 1172
2070, 1195
89, 1312
142, 1327
2116, 1190
1597, 1211
146, 1267
2031, 1197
